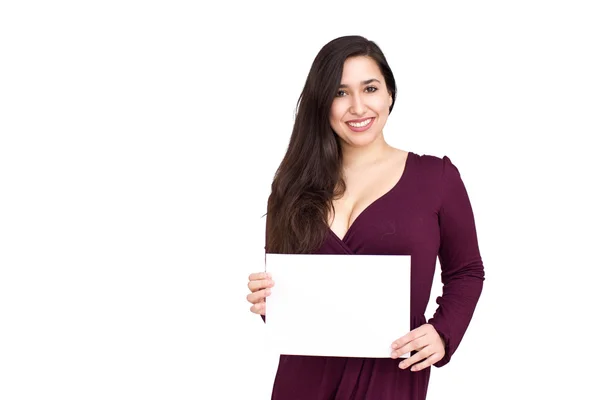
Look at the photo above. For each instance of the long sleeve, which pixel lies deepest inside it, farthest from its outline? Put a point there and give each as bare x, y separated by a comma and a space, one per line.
460, 262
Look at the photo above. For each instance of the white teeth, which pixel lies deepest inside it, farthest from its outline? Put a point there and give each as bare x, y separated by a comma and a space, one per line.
360, 124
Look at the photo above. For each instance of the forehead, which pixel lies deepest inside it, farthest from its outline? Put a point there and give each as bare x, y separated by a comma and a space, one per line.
358, 69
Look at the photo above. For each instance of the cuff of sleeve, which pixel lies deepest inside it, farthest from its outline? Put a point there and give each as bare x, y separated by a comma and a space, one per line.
447, 344
264, 318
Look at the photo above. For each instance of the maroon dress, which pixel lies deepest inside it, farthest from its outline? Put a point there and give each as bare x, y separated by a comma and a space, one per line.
426, 214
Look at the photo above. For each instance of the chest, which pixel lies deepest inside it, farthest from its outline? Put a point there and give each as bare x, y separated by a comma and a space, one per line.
363, 190
403, 221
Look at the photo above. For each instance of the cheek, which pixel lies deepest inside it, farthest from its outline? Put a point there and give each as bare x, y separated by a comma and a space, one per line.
382, 106
335, 115
332, 121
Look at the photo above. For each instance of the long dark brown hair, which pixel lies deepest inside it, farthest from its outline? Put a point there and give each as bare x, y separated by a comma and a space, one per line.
310, 174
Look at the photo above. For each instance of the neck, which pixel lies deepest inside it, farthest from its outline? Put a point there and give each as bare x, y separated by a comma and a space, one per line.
356, 157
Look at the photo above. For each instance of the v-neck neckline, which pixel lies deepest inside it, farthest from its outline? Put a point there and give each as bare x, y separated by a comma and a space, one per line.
373, 203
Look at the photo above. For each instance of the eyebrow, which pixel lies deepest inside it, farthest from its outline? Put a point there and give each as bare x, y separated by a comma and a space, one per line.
362, 83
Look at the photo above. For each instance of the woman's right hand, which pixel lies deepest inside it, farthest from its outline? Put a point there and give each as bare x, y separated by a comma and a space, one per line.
260, 285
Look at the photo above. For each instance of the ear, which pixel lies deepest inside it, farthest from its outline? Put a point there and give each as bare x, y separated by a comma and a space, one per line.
391, 100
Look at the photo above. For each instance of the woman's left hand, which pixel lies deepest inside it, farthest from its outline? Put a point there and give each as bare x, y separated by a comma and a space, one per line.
426, 341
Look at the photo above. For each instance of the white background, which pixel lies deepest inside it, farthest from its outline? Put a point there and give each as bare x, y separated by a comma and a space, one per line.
138, 141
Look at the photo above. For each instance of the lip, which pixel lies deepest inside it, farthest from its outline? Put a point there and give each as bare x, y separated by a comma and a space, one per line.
362, 128
359, 120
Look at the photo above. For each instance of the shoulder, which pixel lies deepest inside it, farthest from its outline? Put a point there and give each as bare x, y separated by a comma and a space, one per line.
437, 176
431, 165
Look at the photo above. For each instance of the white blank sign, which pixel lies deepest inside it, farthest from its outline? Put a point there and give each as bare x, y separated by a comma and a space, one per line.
338, 305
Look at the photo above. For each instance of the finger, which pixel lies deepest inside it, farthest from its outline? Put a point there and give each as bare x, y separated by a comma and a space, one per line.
416, 344
432, 359
258, 296
260, 284
259, 308
259, 275
419, 356
409, 337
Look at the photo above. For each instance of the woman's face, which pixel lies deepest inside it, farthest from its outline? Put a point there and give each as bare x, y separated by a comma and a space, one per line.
361, 106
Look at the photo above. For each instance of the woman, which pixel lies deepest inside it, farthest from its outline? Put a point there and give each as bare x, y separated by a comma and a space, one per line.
341, 189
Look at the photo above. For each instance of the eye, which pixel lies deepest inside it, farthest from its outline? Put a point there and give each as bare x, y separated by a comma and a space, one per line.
371, 89
340, 93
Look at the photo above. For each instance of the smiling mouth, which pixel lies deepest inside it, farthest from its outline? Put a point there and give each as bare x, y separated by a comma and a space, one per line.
360, 124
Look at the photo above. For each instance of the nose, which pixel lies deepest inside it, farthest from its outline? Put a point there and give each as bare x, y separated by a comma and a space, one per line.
358, 106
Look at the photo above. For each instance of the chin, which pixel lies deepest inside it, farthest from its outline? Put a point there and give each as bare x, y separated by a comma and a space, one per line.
358, 140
